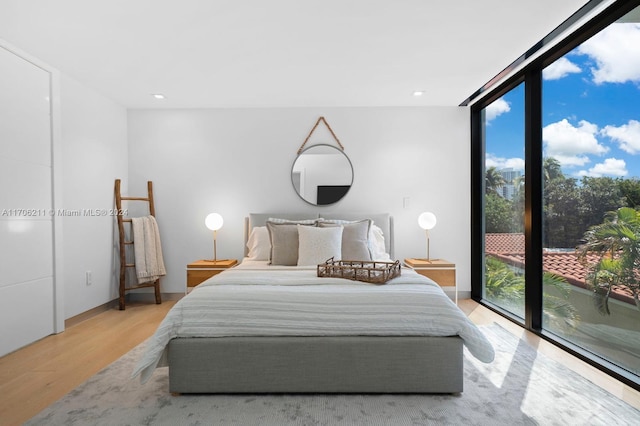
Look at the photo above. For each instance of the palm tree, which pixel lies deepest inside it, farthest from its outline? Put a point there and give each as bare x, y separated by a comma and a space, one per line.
617, 244
552, 169
558, 313
503, 285
493, 180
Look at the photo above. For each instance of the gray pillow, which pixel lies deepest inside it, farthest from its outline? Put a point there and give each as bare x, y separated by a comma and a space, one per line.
355, 238
284, 243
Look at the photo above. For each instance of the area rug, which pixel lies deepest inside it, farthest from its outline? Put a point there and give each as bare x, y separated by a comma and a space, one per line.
521, 387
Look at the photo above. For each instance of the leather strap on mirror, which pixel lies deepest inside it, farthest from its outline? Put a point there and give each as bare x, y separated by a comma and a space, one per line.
314, 128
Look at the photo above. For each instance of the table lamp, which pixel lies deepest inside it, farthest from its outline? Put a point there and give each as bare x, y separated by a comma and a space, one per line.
214, 222
427, 220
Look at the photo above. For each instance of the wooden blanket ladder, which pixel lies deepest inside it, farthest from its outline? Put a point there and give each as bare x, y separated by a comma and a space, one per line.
123, 288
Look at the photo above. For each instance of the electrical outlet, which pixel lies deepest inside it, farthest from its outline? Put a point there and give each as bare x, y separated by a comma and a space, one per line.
88, 277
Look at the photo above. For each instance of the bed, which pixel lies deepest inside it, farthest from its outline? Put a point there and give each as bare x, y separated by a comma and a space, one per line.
269, 327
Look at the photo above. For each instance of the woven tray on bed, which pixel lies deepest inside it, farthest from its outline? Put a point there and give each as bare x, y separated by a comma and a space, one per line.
360, 270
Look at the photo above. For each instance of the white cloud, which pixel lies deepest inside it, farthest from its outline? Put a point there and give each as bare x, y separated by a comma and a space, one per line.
616, 51
559, 69
496, 108
571, 160
627, 136
499, 163
610, 167
569, 144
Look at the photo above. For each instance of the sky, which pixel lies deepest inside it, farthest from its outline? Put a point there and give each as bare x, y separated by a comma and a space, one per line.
591, 110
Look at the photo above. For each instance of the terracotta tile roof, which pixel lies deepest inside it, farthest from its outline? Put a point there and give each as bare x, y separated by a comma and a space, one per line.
504, 243
510, 249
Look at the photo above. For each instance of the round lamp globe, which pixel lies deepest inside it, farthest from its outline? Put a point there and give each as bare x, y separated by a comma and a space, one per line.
214, 221
427, 220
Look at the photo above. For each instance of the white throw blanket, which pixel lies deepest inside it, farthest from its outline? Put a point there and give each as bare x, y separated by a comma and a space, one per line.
253, 302
147, 249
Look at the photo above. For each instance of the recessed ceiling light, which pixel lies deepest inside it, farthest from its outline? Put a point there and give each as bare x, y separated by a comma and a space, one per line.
418, 93
158, 95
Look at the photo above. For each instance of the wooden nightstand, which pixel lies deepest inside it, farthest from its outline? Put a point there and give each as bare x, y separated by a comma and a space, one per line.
200, 270
441, 271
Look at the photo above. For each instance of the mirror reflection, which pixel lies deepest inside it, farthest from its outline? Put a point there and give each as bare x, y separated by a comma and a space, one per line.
322, 174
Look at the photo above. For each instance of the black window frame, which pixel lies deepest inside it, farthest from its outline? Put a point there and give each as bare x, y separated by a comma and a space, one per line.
531, 75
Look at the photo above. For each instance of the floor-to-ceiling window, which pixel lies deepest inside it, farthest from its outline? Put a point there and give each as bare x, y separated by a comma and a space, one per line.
557, 157
503, 128
591, 136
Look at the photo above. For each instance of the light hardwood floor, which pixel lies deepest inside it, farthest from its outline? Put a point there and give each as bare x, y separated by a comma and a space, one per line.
36, 376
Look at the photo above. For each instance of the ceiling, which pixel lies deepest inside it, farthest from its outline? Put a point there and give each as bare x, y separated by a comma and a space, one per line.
280, 53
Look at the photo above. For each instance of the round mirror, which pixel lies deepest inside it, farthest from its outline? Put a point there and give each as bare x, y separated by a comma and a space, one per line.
322, 175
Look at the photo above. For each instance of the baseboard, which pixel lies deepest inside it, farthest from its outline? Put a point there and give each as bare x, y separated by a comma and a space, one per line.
90, 313
150, 297
113, 304
451, 292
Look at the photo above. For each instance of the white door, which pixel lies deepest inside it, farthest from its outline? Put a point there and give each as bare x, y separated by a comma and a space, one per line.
26, 222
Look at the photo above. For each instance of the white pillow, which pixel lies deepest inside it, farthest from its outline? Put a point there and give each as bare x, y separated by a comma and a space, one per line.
376, 241
258, 244
376, 244
316, 245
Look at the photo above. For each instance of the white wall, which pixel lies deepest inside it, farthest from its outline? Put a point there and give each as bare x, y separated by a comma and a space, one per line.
94, 153
237, 161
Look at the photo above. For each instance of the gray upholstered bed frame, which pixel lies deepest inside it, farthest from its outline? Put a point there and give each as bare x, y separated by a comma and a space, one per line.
346, 364
356, 364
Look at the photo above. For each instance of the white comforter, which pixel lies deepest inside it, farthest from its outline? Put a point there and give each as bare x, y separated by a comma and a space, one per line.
254, 301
